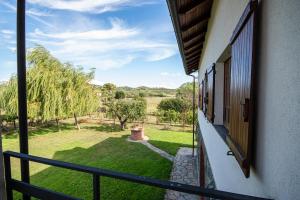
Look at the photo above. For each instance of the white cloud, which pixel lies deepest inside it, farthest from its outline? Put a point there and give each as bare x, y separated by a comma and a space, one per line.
8, 32
91, 6
38, 13
31, 14
104, 49
161, 53
116, 31
12, 49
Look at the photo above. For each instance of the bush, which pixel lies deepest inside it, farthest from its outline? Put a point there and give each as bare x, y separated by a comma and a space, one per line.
120, 95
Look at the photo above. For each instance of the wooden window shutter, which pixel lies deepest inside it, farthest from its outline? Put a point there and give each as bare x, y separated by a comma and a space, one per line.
226, 110
210, 93
205, 98
200, 100
241, 88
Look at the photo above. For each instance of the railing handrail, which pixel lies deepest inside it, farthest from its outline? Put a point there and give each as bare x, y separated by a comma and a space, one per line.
98, 172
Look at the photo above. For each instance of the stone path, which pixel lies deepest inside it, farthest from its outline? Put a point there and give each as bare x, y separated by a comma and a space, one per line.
184, 171
155, 149
159, 151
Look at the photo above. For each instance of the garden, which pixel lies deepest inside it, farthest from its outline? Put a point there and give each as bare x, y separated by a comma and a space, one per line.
72, 120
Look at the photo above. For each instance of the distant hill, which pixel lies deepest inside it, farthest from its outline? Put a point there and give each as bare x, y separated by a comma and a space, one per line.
148, 91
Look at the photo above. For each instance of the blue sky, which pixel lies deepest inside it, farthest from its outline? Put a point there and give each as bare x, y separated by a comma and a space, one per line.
129, 42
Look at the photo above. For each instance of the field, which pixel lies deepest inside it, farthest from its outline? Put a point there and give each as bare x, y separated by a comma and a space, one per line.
152, 103
103, 146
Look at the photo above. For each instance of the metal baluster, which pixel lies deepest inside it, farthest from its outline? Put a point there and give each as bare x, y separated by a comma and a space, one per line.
9, 192
96, 187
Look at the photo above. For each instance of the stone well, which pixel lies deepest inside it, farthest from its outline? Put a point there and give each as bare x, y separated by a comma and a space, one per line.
137, 133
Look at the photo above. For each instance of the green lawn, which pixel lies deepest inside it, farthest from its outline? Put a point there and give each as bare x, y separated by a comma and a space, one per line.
169, 140
100, 146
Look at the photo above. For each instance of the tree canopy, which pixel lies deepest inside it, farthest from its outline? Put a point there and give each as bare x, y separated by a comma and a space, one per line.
128, 110
55, 90
120, 94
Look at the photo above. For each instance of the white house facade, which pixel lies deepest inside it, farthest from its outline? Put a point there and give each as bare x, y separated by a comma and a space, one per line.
249, 99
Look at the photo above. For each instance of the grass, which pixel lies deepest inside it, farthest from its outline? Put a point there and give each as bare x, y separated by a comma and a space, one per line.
102, 146
169, 140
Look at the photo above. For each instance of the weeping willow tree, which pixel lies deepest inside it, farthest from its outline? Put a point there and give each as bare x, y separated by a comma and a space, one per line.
80, 96
9, 101
44, 86
55, 90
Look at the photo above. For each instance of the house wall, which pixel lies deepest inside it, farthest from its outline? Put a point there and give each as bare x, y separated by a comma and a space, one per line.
275, 172
219, 94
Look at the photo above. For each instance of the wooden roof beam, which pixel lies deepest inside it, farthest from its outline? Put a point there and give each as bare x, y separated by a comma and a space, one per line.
190, 6
193, 44
189, 55
196, 58
193, 62
199, 45
200, 31
199, 38
196, 21
192, 66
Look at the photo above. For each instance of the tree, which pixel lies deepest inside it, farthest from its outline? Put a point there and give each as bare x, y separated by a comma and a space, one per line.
173, 109
55, 90
185, 91
171, 104
9, 101
79, 96
169, 110
168, 116
120, 94
44, 85
142, 94
128, 110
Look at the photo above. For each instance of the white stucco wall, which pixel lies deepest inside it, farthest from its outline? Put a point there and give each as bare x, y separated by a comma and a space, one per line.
276, 169
219, 94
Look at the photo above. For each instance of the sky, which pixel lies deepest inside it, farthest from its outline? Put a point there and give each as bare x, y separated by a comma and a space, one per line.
128, 42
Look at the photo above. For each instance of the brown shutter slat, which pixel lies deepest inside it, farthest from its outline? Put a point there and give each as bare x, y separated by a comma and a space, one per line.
241, 88
210, 93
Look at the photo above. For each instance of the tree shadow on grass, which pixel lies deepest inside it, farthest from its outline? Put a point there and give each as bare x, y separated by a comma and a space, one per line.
168, 147
42, 130
114, 153
105, 128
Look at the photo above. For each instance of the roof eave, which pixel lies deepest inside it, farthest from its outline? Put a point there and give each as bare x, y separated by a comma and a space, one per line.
175, 21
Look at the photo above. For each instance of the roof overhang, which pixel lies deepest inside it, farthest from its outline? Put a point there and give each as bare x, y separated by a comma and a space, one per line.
190, 21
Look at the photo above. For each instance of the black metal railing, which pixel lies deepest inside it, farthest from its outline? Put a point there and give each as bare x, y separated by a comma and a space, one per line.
41, 193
